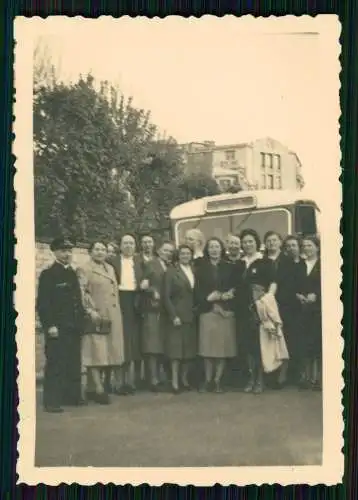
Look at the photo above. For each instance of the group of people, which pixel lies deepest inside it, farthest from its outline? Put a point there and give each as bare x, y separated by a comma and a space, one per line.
181, 319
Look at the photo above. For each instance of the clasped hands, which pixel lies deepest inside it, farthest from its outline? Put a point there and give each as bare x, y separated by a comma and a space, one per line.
218, 296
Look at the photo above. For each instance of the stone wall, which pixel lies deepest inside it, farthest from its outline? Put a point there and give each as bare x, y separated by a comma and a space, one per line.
44, 258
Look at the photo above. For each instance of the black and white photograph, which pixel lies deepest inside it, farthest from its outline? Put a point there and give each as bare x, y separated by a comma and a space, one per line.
178, 248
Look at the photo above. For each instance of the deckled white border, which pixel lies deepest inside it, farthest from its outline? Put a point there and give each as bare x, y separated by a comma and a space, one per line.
331, 471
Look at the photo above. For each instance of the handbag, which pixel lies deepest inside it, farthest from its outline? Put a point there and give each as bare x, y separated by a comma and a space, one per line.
101, 327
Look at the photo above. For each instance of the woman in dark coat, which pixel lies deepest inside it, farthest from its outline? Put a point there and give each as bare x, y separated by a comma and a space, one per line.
309, 295
258, 273
214, 296
290, 306
153, 311
181, 342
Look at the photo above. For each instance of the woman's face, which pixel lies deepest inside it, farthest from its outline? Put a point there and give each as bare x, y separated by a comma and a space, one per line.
273, 243
99, 252
192, 240
249, 245
309, 249
292, 248
214, 249
185, 256
111, 251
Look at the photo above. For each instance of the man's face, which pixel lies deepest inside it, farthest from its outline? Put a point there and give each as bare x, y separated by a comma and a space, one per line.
147, 244
233, 245
64, 255
128, 245
166, 252
192, 241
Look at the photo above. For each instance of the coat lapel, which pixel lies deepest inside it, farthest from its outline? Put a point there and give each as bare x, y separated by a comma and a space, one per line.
102, 271
181, 274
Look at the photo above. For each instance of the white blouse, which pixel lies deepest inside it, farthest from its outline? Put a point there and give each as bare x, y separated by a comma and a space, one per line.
187, 270
310, 265
128, 280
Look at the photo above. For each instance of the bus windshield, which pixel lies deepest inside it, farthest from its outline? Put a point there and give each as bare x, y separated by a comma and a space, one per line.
276, 219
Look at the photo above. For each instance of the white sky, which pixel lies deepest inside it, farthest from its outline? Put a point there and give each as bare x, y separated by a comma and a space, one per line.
209, 78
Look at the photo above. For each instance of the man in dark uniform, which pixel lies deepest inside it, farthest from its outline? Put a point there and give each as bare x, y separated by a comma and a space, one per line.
61, 313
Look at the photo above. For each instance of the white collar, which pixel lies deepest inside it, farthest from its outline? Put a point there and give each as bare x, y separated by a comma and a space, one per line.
249, 260
65, 266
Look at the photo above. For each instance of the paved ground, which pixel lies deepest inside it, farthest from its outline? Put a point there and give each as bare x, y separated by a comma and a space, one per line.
192, 430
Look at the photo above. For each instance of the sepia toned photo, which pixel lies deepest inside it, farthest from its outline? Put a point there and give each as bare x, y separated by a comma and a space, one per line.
178, 248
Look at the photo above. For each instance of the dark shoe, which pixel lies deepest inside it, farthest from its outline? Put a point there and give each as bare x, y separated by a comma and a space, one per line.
155, 388
249, 387
80, 402
102, 399
258, 389
122, 391
304, 385
316, 386
90, 395
187, 387
175, 390
206, 387
131, 389
53, 409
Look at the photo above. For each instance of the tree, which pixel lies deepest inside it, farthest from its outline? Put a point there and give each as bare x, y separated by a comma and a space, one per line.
198, 185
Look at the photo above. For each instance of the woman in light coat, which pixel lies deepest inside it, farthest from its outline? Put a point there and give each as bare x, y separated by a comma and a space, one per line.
103, 345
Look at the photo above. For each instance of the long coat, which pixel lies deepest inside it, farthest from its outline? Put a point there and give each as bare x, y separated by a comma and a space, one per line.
59, 304
311, 314
100, 293
153, 312
181, 341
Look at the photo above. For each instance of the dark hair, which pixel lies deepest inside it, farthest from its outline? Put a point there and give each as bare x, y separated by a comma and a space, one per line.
206, 248
178, 250
146, 235
292, 237
93, 243
113, 244
268, 234
253, 234
314, 239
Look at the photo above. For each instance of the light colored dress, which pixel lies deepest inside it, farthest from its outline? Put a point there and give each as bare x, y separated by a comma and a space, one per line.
100, 293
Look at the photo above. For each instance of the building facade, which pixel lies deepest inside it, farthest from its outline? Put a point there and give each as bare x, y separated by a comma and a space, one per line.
261, 164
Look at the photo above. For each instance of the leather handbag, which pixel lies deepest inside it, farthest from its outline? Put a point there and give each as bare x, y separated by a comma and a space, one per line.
101, 327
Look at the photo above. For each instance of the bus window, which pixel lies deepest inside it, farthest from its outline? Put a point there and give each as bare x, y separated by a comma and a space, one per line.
278, 219
209, 226
305, 219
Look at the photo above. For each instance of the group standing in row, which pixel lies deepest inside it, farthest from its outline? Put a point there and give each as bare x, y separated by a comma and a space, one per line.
177, 317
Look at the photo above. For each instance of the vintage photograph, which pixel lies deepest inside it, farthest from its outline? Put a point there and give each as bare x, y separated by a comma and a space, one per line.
183, 208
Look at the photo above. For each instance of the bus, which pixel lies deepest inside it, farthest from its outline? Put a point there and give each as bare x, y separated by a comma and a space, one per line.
287, 212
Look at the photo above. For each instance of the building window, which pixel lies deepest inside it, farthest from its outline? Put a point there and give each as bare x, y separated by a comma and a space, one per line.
230, 155
263, 181
225, 183
271, 171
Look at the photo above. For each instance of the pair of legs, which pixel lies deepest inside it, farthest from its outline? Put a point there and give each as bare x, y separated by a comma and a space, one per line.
214, 370
97, 376
312, 372
255, 383
125, 376
180, 369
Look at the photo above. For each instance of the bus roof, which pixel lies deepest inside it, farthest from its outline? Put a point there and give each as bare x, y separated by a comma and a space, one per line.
263, 199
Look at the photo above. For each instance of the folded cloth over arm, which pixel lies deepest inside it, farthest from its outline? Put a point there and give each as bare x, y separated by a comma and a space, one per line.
272, 340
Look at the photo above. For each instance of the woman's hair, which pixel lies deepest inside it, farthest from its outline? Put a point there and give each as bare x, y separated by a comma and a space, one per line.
146, 235
114, 245
179, 249
94, 242
272, 233
199, 235
206, 248
314, 239
253, 234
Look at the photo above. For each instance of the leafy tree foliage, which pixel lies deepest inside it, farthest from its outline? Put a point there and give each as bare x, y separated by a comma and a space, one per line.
99, 166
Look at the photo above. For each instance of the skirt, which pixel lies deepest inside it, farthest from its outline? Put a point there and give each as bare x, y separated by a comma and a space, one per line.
152, 333
182, 342
217, 336
131, 325
101, 350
